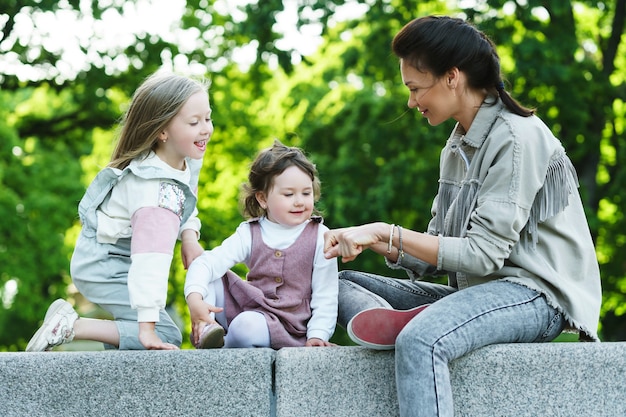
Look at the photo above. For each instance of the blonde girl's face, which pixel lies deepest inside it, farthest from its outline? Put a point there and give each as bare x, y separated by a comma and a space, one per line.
290, 201
188, 133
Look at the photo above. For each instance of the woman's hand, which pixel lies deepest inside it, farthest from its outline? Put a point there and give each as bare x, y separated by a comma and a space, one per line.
349, 242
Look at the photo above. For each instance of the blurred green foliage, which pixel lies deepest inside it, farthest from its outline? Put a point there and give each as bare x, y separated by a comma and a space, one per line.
344, 104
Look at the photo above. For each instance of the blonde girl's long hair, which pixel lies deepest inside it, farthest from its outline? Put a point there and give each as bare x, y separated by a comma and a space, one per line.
154, 104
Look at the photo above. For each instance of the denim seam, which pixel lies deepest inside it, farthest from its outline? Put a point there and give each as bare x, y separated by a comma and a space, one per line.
432, 363
366, 293
570, 322
407, 290
528, 301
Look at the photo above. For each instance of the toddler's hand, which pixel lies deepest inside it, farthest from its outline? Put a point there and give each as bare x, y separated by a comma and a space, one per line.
314, 341
200, 314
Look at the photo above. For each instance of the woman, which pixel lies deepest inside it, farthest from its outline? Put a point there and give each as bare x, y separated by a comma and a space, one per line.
508, 228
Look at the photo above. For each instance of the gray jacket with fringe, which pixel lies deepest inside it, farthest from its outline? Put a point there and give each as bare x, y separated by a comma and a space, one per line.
508, 208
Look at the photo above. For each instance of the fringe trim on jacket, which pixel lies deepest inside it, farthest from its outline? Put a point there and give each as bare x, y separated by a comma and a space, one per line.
561, 181
455, 204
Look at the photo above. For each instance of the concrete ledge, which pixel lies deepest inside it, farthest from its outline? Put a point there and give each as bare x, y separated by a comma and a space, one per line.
553, 379
338, 382
146, 383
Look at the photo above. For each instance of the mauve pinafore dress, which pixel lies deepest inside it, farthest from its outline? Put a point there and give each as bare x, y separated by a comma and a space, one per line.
278, 285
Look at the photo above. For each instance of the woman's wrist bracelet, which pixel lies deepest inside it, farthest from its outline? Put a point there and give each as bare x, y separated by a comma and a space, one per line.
391, 227
400, 251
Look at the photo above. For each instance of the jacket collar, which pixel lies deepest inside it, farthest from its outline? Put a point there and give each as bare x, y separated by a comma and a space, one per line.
481, 126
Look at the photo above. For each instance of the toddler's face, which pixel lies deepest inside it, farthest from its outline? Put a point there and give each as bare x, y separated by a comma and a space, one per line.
290, 201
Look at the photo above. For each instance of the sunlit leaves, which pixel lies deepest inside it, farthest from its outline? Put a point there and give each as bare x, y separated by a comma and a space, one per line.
345, 104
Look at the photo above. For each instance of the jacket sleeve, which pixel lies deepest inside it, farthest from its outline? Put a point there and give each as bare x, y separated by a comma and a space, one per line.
414, 267
192, 223
155, 230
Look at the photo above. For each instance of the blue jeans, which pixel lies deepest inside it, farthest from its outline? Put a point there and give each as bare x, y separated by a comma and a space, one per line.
456, 323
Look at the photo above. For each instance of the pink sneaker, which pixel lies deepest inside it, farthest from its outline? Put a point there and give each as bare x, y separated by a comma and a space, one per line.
377, 328
212, 337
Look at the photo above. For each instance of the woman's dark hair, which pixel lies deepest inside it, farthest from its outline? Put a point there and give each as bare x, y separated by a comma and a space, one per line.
438, 43
268, 164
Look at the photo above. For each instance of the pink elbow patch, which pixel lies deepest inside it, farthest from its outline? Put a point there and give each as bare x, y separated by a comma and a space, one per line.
154, 229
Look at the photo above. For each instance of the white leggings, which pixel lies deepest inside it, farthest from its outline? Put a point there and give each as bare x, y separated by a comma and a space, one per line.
248, 329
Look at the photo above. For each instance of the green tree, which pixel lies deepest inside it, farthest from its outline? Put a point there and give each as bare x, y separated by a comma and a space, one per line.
344, 104
40, 165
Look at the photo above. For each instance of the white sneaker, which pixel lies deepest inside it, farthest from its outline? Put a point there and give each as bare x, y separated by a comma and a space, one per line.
57, 327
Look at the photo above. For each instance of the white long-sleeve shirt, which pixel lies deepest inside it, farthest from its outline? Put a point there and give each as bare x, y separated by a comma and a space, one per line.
213, 264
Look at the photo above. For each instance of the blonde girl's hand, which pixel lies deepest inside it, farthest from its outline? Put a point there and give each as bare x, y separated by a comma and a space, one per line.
150, 340
190, 248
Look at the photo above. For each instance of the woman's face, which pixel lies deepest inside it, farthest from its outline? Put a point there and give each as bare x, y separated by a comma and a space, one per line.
429, 94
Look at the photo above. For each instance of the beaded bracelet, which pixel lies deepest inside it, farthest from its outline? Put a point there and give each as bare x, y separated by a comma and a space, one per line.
391, 227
